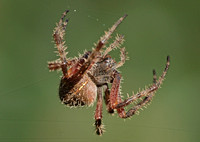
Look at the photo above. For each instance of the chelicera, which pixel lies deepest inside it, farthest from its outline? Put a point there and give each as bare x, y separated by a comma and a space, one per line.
85, 79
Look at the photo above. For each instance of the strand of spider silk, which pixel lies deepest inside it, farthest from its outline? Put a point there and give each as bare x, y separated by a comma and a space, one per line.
92, 17
10, 92
74, 8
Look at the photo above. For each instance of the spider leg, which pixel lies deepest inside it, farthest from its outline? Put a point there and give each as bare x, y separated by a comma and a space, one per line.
148, 93
123, 58
107, 99
145, 100
105, 38
115, 97
58, 35
119, 39
55, 65
93, 57
107, 35
151, 89
98, 112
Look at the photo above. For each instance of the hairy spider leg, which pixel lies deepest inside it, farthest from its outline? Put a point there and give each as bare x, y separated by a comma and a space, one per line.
55, 65
107, 35
119, 39
92, 59
103, 41
122, 57
115, 94
144, 101
98, 112
58, 35
116, 102
107, 99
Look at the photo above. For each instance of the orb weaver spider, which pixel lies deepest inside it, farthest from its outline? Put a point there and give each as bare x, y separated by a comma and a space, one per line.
86, 78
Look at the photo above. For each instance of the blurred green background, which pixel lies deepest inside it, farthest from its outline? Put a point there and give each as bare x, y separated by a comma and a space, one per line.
30, 110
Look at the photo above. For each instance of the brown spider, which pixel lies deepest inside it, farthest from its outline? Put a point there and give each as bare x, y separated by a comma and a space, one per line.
87, 77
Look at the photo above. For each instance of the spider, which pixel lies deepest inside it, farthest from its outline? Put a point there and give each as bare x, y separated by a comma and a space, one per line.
86, 78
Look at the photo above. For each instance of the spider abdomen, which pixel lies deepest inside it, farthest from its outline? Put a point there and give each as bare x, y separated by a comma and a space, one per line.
82, 93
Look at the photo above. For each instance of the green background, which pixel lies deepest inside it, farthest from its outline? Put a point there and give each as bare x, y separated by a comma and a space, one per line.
30, 110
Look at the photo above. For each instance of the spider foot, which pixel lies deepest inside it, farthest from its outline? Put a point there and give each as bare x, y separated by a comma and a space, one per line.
99, 127
63, 22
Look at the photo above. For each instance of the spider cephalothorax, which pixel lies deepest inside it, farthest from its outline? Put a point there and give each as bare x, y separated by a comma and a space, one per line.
86, 78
